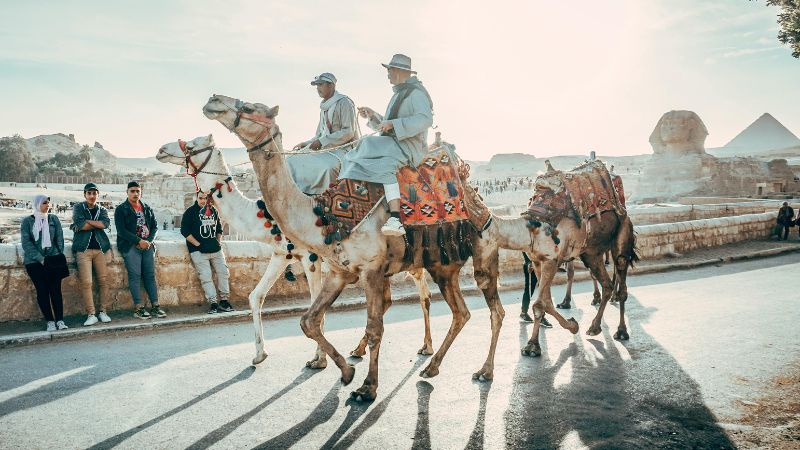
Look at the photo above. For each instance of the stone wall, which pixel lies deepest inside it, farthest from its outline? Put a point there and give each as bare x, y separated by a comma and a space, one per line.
179, 285
177, 279
672, 214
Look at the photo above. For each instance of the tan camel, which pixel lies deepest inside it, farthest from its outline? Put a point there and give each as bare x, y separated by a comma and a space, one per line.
241, 214
609, 233
366, 254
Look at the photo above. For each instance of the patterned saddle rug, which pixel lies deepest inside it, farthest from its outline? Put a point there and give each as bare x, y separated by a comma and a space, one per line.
432, 193
432, 209
582, 193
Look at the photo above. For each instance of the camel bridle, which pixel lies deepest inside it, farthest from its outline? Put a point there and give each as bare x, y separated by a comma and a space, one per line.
197, 170
264, 121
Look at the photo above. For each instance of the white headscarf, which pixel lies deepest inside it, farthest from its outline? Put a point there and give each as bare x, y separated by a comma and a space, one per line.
40, 224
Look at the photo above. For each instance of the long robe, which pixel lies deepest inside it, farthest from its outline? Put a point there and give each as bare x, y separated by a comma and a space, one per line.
378, 158
314, 172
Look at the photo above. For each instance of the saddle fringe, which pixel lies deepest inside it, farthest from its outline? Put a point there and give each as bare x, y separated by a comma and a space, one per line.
453, 240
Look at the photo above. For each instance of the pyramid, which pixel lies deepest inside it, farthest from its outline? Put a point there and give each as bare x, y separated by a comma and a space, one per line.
764, 135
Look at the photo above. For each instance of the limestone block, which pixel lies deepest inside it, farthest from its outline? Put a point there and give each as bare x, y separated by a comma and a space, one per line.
8, 255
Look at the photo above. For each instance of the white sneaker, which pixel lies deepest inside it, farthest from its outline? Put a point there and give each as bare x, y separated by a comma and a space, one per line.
104, 317
61, 325
51, 326
393, 227
91, 320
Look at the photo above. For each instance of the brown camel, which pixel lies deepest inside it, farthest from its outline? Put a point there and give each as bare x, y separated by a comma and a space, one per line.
366, 254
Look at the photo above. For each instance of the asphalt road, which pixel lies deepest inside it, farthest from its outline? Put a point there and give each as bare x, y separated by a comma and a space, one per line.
703, 343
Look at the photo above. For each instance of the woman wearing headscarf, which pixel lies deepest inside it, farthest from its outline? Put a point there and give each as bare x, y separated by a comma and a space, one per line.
41, 237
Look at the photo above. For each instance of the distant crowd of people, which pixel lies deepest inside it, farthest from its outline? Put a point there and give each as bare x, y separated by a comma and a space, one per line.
136, 227
486, 187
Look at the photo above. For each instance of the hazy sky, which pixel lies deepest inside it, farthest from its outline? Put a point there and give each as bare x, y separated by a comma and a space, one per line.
539, 77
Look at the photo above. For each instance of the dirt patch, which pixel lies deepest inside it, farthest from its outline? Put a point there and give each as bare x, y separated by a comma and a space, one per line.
772, 421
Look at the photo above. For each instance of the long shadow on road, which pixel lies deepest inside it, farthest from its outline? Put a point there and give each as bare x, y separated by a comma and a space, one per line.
115, 440
220, 433
591, 395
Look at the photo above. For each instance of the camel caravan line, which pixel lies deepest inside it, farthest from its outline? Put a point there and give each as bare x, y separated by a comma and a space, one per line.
336, 236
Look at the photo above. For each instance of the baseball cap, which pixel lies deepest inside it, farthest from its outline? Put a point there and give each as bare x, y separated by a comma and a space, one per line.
325, 77
90, 187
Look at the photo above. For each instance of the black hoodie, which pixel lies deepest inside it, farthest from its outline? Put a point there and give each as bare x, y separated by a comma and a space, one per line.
203, 226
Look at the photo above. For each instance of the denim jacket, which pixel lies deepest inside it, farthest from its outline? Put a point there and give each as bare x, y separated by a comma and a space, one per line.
80, 240
32, 246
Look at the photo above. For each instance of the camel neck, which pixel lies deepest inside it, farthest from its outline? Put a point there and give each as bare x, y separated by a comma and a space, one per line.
511, 233
237, 210
291, 208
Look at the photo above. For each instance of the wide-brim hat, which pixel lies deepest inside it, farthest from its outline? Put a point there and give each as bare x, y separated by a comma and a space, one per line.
400, 61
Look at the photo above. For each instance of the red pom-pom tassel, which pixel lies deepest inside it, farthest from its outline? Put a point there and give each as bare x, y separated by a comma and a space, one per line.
318, 222
278, 237
260, 214
268, 224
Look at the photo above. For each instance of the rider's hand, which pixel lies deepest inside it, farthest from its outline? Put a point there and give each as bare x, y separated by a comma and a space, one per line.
316, 145
386, 126
366, 112
299, 146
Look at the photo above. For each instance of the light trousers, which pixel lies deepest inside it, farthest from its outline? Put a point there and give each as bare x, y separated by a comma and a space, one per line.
203, 262
99, 260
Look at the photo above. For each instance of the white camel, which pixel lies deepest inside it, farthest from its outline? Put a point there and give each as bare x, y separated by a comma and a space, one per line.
241, 213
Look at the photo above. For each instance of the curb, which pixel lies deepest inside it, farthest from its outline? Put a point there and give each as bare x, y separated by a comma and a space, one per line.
71, 334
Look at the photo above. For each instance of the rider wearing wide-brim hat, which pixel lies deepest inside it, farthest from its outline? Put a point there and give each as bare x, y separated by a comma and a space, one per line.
403, 140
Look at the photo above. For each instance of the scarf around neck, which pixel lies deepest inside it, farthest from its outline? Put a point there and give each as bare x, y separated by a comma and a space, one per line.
40, 224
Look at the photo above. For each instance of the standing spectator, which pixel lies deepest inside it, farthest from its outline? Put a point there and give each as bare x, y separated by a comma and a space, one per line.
91, 246
202, 229
785, 216
136, 229
42, 242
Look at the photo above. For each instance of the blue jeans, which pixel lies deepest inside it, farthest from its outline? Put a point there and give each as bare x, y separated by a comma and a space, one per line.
141, 264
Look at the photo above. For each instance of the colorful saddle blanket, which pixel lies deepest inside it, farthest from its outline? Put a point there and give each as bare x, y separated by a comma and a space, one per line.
582, 193
344, 205
431, 194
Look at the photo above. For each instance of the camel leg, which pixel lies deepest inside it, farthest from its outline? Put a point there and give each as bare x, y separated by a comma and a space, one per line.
625, 255
379, 297
256, 299
486, 277
567, 302
311, 322
447, 279
544, 303
314, 277
425, 304
597, 267
596, 293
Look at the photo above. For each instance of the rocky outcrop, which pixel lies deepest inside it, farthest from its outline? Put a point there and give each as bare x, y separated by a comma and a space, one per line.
46, 146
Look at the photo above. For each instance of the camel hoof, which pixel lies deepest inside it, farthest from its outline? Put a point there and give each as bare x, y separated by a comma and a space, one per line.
364, 394
621, 335
573, 325
429, 372
348, 372
319, 363
483, 375
564, 305
594, 330
358, 354
259, 358
532, 350
425, 350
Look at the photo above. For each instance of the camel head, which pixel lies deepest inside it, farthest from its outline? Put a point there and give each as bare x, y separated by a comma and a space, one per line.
200, 156
252, 122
